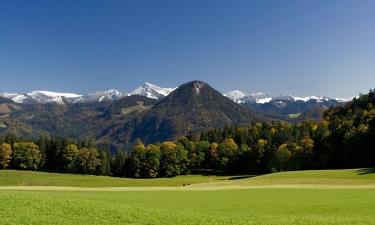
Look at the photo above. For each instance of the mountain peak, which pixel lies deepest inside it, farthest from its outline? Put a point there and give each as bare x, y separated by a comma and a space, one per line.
192, 90
112, 91
235, 95
41, 97
196, 83
49, 96
192, 106
101, 96
151, 91
198, 86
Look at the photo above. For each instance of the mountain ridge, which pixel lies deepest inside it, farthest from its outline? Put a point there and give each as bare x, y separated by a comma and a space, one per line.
151, 91
43, 97
114, 117
192, 107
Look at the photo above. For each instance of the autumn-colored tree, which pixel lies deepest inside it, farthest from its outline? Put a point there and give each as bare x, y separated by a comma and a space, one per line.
5, 155
174, 159
213, 156
307, 144
227, 150
137, 159
26, 155
152, 161
88, 160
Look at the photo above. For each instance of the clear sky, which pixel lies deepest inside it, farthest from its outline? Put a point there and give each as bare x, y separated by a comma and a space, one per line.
312, 47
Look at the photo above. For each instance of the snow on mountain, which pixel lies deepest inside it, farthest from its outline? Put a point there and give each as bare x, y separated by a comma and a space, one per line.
17, 98
49, 96
41, 97
345, 99
310, 98
148, 90
236, 95
155, 92
151, 91
100, 96
261, 98
240, 97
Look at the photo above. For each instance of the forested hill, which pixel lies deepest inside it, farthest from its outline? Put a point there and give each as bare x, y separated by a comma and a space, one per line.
194, 106
352, 131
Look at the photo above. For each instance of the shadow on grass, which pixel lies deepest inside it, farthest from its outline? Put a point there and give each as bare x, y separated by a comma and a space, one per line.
241, 177
222, 175
365, 171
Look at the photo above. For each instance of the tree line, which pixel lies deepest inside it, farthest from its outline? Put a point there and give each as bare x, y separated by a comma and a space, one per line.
54, 155
343, 139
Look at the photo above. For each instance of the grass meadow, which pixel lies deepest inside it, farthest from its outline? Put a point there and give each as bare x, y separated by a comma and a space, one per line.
305, 197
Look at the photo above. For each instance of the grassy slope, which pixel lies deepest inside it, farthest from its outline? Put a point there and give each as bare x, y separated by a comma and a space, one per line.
253, 206
308, 177
28, 178
328, 177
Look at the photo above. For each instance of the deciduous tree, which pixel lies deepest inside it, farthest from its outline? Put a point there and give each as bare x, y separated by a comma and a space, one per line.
26, 155
5, 155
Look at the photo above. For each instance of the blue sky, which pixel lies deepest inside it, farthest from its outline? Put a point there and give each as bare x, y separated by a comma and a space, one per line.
312, 47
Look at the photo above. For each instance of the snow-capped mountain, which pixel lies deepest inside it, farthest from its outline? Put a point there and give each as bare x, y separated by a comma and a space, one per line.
148, 90
303, 99
100, 96
261, 98
41, 97
155, 92
18, 98
236, 95
240, 97
151, 91
286, 106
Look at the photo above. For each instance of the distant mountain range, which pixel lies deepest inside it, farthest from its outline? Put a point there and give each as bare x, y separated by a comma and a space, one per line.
148, 90
286, 107
261, 98
149, 112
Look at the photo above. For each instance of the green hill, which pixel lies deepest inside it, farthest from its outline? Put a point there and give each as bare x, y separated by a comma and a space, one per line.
312, 177
31, 178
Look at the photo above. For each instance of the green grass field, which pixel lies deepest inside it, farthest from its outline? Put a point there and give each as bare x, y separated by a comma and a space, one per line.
305, 197
28, 178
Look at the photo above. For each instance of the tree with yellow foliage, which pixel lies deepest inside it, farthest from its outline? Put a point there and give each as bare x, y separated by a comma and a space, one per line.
5, 155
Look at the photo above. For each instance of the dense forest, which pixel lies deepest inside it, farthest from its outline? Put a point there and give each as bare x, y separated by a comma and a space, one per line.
345, 138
